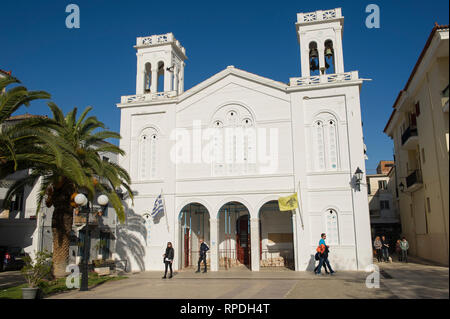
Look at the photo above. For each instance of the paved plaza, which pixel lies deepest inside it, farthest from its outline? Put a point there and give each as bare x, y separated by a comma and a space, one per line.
397, 280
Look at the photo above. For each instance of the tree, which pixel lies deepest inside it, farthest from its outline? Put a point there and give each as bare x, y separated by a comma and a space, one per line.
80, 142
18, 143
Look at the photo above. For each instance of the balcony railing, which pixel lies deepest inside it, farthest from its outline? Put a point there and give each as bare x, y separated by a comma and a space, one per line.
148, 97
413, 179
158, 39
324, 79
79, 220
410, 131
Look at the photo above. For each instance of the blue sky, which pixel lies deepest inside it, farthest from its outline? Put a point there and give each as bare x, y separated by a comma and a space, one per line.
96, 64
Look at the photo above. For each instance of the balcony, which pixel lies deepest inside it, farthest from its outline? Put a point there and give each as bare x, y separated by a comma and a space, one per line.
410, 138
79, 220
414, 181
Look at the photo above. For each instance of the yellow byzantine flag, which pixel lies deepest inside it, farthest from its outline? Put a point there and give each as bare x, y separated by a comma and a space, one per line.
288, 203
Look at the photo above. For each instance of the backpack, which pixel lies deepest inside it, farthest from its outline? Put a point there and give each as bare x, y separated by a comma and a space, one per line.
321, 249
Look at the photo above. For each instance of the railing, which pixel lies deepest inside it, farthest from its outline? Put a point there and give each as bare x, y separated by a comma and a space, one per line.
81, 220
414, 178
229, 258
159, 39
324, 79
319, 15
277, 258
148, 97
410, 131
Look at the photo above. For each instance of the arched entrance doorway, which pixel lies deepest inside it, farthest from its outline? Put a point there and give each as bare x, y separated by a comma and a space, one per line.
276, 237
194, 224
234, 235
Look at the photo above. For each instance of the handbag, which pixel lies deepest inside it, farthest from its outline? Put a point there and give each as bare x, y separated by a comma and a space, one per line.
317, 257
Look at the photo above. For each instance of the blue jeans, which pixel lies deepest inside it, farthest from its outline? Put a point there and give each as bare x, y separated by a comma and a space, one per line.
202, 258
385, 254
404, 255
322, 262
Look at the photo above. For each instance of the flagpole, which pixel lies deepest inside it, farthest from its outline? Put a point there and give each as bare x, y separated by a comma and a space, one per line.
165, 211
298, 206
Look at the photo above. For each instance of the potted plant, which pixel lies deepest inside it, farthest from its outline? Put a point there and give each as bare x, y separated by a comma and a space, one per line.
35, 271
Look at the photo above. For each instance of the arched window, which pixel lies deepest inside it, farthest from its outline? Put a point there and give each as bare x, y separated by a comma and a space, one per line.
332, 147
332, 227
160, 77
147, 166
329, 57
325, 143
313, 59
320, 147
235, 142
147, 77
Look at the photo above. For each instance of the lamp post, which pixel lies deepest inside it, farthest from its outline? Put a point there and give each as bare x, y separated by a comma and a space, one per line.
359, 176
82, 200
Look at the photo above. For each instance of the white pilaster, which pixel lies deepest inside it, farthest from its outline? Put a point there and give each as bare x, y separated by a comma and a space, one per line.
181, 85
214, 237
167, 80
154, 84
254, 235
175, 79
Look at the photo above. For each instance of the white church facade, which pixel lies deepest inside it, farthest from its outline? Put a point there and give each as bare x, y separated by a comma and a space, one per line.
224, 151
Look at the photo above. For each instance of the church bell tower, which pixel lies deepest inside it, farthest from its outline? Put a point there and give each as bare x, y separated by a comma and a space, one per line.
160, 65
320, 37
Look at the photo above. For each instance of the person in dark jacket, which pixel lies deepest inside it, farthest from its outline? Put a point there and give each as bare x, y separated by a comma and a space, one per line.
203, 249
323, 264
168, 259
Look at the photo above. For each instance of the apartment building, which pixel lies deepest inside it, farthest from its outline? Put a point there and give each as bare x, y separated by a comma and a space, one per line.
418, 127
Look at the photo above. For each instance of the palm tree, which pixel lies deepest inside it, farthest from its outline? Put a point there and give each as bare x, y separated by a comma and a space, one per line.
80, 142
19, 144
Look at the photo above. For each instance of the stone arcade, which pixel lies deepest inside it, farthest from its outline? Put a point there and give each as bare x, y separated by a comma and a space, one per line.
318, 146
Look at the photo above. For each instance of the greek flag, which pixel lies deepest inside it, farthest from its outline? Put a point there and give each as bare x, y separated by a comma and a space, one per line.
158, 207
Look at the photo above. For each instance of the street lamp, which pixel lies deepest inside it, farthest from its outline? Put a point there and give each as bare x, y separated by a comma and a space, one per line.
359, 176
81, 200
402, 187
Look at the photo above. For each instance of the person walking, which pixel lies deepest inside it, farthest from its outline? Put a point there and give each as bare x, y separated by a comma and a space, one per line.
398, 250
168, 259
404, 245
203, 249
385, 248
323, 264
323, 250
378, 246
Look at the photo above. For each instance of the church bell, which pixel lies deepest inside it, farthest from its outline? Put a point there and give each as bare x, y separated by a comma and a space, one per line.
313, 53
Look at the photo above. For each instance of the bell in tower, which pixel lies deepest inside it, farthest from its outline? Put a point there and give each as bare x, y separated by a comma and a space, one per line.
313, 57
329, 55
